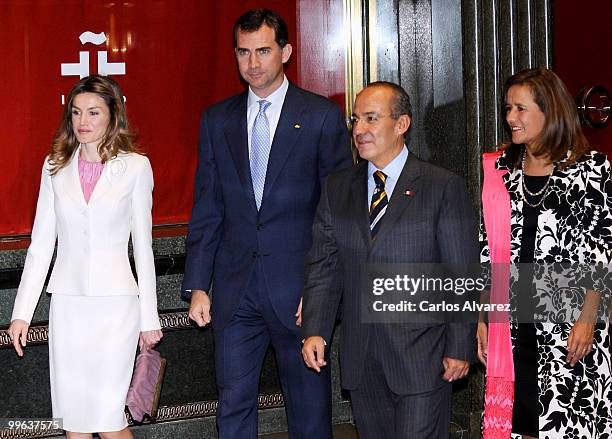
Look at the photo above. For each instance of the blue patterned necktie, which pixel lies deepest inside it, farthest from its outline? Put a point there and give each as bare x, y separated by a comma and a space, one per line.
260, 151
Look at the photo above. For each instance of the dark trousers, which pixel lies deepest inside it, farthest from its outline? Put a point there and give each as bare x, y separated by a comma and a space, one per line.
380, 413
240, 348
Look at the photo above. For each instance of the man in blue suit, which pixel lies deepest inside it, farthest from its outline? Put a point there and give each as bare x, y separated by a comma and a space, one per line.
263, 157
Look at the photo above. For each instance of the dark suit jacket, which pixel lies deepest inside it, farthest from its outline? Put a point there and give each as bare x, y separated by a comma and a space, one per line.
227, 235
435, 224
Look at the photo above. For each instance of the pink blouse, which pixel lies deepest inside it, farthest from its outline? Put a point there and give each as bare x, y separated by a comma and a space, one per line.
89, 173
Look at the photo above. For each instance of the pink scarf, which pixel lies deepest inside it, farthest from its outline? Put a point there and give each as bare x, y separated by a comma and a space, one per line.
499, 393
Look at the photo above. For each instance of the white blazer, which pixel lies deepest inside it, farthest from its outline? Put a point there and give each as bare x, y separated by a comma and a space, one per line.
92, 238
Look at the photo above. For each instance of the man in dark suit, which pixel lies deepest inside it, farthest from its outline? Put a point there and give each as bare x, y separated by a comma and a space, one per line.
391, 208
263, 157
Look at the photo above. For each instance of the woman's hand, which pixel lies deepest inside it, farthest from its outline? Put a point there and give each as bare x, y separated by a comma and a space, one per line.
482, 334
148, 339
18, 331
579, 342
580, 339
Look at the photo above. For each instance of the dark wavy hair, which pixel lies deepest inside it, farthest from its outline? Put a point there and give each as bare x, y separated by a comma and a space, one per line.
118, 136
253, 19
562, 130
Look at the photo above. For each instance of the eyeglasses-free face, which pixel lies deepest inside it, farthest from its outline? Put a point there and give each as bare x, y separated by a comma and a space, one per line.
260, 60
524, 116
90, 118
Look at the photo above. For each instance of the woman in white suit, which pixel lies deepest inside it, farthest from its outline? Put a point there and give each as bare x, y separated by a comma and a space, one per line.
95, 192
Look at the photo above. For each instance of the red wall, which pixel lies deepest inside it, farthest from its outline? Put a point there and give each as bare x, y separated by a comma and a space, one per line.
583, 52
178, 59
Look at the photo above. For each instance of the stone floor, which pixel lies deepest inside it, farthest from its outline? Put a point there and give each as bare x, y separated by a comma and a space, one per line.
341, 431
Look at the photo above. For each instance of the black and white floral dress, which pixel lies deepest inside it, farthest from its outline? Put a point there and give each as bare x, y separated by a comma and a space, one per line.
574, 231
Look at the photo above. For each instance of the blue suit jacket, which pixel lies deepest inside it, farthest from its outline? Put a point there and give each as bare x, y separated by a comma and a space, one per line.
227, 235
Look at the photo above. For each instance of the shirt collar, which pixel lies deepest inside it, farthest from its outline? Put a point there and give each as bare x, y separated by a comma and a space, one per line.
276, 98
394, 168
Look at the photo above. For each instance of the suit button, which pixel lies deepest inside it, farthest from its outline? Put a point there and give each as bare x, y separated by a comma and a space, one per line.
260, 226
255, 255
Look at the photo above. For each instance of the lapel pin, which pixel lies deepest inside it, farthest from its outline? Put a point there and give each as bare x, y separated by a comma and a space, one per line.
297, 126
408, 193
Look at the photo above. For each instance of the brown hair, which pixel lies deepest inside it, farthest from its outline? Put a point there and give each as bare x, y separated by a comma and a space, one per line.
118, 136
562, 131
253, 19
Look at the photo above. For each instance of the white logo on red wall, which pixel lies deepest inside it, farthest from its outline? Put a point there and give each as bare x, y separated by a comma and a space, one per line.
105, 68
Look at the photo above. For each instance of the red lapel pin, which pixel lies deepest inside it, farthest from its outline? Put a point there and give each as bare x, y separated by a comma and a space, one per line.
408, 193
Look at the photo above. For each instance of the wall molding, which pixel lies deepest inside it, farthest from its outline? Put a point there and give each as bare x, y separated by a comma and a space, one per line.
39, 334
169, 413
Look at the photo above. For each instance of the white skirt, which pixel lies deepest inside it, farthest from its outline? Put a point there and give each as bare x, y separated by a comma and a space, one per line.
92, 345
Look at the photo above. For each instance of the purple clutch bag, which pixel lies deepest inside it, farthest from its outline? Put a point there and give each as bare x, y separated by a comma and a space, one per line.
143, 395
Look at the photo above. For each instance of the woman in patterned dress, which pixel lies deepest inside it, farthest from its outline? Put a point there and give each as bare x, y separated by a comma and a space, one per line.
561, 198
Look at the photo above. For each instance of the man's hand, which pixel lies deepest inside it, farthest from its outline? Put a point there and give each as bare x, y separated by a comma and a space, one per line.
482, 334
199, 310
298, 314
454, 369
313, 352
18, 332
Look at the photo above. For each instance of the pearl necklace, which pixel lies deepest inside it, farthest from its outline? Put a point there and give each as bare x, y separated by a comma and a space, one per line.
544, 189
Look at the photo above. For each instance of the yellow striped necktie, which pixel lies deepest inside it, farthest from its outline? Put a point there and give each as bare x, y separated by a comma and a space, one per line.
378, 205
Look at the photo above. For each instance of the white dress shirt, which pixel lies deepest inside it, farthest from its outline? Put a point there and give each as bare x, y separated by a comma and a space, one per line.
273, 112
